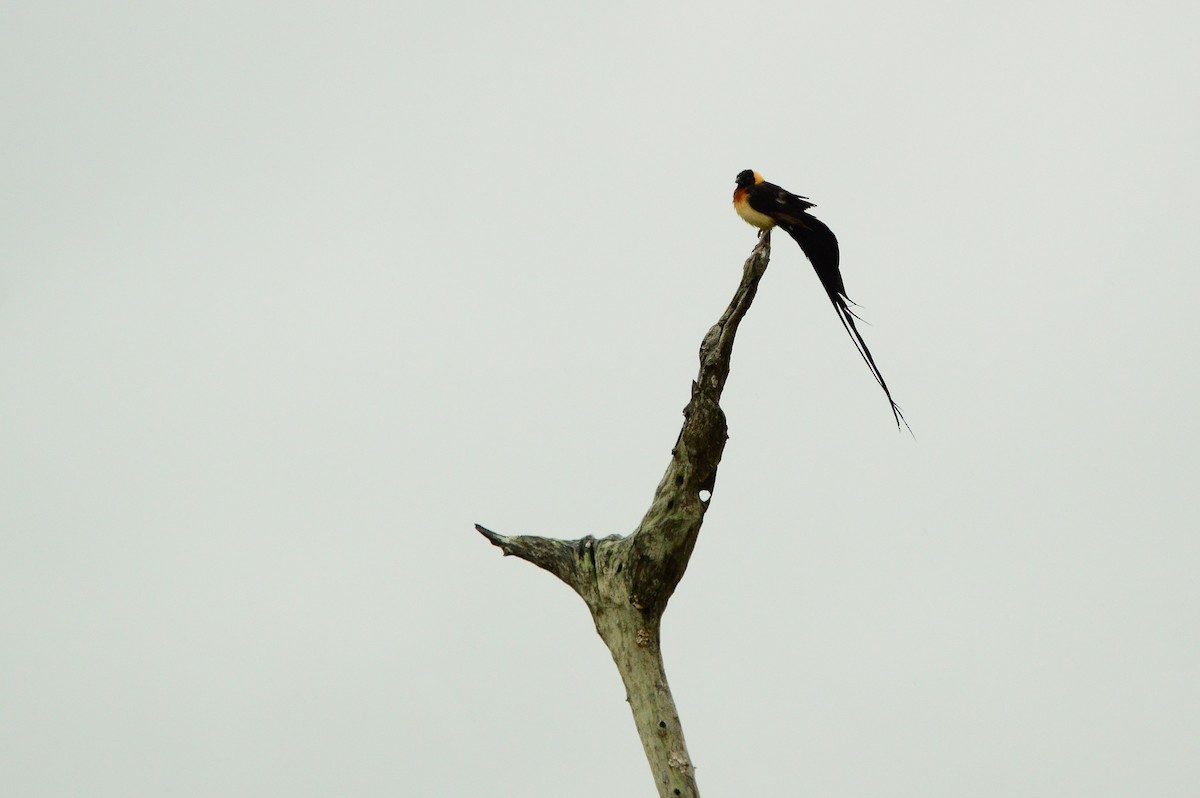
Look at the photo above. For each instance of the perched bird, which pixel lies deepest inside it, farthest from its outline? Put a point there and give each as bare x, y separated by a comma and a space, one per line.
766, 205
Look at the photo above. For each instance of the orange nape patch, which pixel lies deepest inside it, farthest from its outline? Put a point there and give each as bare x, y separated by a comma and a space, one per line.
758, 179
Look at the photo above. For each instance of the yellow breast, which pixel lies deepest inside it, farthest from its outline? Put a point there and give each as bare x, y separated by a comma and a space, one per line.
741, 204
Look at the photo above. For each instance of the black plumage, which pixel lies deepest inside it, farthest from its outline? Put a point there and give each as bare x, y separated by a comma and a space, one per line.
766, 205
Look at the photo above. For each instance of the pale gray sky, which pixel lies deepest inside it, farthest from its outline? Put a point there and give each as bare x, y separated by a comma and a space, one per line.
291, 294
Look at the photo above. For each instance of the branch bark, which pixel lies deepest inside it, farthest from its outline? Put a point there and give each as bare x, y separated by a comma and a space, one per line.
627, 581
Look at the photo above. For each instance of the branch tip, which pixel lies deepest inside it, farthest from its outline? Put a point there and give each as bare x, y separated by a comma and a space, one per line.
495, 538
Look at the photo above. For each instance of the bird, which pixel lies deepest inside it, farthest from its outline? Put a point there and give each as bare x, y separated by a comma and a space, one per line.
765, 205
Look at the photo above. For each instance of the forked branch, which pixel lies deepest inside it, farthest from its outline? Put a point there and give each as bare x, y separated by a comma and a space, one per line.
628, 580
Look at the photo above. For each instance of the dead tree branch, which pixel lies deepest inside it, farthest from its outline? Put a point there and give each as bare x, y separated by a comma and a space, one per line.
627, 581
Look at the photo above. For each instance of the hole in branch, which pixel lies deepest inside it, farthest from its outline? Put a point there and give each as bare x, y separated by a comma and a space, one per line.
705, 495
679, 479
662, 724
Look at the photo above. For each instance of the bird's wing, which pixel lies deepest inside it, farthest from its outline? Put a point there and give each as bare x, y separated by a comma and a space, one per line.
776, 202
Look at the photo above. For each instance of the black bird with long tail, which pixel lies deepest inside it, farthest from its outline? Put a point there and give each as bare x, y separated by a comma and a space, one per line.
766, 205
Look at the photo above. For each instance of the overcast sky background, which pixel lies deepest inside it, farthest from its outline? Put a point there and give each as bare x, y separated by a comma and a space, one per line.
292, 294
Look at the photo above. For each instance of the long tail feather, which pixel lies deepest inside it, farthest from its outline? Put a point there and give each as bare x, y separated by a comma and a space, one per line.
821, 248
847, 318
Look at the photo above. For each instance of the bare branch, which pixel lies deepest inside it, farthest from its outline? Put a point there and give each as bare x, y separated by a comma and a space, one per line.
569, 560
627, 581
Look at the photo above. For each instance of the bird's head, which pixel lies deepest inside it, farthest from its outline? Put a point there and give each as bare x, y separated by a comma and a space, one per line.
748, 178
